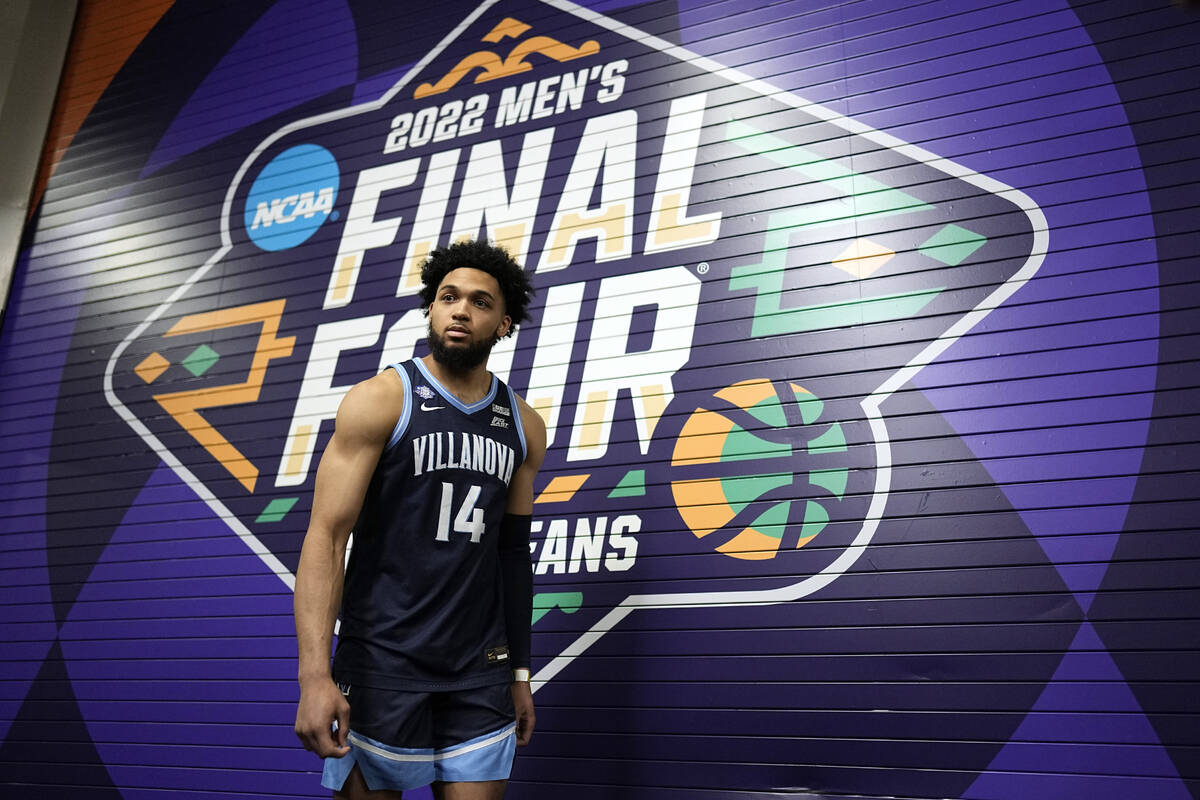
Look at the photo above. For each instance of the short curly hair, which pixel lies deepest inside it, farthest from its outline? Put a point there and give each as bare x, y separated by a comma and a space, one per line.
481, 255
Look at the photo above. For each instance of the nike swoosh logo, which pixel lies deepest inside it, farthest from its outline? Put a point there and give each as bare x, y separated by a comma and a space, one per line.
427, 407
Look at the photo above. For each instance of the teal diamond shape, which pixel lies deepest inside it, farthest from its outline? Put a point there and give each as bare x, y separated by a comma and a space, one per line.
632, 485
200, 360
953, 245
277, 509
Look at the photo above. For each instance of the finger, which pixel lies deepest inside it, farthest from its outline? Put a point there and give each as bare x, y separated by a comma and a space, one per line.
524, 731
329, 747
321, 744
308, 740
343, 725
333, 737
334, 750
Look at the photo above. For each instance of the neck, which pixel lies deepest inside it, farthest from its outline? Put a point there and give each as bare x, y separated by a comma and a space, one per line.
469, 386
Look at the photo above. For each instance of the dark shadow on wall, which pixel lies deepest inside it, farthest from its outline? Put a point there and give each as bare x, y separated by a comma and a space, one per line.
1150, 50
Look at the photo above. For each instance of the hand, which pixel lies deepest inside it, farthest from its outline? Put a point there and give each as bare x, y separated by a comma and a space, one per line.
322, 704
523, 704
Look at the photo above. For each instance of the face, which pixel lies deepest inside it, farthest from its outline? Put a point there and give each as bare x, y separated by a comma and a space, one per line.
466, 318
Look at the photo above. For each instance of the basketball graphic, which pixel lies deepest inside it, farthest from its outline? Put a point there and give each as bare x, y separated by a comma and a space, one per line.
780, 504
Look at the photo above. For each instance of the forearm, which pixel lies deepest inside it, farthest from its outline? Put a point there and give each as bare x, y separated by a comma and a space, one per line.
514, 543
517, 574
318, 596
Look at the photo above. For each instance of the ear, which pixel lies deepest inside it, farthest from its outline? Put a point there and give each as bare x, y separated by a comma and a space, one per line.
504, 327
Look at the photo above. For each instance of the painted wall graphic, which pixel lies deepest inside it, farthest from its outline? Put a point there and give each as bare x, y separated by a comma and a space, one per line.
864, 336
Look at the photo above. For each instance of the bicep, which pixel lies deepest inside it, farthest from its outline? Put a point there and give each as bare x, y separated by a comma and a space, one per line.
520, 494
520, 491
349, 461
342, 479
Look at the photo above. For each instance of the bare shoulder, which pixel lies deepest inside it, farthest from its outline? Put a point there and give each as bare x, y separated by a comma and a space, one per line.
371, 408
535, 430
520, 500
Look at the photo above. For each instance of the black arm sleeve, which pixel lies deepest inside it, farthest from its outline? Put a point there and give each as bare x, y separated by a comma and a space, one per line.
516, 570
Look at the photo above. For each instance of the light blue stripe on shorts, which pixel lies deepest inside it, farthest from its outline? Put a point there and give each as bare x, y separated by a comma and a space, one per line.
485, 758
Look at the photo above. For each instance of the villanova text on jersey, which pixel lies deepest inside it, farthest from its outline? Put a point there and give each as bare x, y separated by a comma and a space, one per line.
473, 451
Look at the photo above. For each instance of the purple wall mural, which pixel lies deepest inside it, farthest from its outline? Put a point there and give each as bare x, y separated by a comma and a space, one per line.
864, 336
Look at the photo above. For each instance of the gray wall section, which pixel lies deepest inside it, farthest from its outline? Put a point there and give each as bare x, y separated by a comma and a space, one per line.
33, 44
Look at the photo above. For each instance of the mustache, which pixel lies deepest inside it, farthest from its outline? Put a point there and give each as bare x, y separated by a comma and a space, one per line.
459, 358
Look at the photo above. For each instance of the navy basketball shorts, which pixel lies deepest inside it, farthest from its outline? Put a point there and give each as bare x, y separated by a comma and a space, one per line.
403, 740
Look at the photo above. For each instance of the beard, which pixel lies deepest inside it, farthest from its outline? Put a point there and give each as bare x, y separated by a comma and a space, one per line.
459, 358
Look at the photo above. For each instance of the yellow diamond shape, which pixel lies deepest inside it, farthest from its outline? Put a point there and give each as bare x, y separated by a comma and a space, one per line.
562, 488
863, 258
152, 367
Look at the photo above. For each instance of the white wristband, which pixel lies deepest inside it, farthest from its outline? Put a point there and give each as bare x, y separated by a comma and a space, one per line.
520, 675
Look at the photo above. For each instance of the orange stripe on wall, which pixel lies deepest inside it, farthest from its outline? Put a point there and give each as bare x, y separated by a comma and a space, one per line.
105, 35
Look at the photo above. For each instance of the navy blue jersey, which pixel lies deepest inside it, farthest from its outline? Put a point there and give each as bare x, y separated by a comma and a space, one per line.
422, 607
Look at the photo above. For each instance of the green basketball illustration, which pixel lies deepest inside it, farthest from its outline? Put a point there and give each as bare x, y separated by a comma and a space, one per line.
745, 450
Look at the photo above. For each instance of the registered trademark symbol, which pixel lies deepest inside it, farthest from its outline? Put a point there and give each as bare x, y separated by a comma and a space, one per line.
702, 268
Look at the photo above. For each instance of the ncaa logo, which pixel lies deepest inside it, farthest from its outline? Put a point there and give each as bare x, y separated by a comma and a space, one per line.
291, 197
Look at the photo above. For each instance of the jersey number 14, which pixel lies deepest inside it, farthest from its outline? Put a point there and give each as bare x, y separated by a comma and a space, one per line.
469, 519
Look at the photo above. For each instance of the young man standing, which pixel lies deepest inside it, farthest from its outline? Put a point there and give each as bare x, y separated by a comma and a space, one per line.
431, 464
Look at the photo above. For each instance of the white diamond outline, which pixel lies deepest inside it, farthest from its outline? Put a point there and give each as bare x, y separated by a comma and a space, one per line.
870, 404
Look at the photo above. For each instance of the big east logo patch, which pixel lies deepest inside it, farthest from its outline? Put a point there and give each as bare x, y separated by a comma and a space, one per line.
732, 283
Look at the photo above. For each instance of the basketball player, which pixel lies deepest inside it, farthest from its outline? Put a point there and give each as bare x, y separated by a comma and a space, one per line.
432, 464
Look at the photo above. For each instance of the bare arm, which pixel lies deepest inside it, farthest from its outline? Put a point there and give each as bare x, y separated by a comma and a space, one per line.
520, 492
520, 502
364, 423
